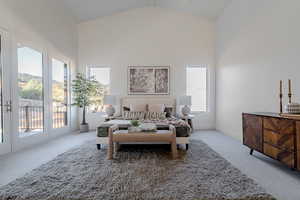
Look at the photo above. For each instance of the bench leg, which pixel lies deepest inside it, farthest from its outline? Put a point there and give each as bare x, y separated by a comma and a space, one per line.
110, 151
98, 146
174, 150
116, 146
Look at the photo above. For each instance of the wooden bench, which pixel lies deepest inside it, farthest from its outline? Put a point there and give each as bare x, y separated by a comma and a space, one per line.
116, 136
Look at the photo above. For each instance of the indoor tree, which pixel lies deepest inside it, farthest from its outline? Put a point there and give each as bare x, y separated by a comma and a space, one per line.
83, 90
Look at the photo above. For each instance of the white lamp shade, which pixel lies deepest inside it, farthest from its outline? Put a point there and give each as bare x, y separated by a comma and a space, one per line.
185, 100
110, 100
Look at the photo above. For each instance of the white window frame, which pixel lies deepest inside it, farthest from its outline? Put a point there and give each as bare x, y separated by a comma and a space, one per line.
88, 75
207, 86
57, 131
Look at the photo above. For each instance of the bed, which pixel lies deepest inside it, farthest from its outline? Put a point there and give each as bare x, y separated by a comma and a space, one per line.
183, 130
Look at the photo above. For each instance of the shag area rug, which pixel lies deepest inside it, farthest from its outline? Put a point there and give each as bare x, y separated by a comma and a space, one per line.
137, 172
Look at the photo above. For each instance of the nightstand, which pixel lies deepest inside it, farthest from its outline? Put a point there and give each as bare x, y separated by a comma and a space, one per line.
189, 120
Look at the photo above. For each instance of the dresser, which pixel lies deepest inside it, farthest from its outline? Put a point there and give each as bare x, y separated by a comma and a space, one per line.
274, 136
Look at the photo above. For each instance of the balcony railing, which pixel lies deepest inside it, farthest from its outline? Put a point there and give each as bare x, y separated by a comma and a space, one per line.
31, 118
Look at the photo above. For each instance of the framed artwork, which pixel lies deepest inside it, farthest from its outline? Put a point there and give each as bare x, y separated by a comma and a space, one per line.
148, 80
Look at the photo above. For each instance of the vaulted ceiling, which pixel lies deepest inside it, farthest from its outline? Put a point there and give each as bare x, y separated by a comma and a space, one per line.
84, 10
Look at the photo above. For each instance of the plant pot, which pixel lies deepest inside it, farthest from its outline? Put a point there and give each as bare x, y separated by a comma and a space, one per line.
84, 128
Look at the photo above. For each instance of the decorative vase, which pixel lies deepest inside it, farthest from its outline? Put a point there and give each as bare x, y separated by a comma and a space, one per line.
84, 128
110, 110
185, 110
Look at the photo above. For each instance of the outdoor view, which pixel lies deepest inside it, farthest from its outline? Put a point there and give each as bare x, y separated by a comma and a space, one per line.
102, 76
1, 107
196, 87
59, 93
31, 98
31, 92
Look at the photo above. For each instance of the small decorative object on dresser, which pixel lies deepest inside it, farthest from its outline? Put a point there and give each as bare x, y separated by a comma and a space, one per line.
273, 135
110, 101
186, 102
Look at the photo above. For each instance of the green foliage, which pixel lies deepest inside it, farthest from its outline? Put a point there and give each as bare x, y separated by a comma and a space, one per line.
98, 96
135, 123
33, 89
83, 90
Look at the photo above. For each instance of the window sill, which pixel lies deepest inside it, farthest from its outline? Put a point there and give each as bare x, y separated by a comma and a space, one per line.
103, 113
199, 113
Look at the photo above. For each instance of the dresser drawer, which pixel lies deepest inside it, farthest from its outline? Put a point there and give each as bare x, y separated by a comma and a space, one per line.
280, 140
282, 126
283, 156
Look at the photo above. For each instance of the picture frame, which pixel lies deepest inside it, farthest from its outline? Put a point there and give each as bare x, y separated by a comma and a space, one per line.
148, 80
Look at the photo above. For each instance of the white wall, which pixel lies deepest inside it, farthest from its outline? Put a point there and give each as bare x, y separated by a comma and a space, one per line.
258, 43
149, 36
44, 25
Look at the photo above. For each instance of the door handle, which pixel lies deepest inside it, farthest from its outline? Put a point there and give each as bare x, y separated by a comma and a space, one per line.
8, 106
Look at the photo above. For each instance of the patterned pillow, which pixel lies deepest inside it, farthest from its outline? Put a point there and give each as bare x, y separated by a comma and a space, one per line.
169, 111
129, 115
155, 115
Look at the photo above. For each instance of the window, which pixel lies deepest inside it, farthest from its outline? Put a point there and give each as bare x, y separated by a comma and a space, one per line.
31, 91
60, 93
196, 83
102, 76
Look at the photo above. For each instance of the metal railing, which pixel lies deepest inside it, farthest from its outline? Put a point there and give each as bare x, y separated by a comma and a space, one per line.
31, 118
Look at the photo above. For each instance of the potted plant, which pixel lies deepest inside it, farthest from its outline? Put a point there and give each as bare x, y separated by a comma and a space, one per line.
134, 126
83, 90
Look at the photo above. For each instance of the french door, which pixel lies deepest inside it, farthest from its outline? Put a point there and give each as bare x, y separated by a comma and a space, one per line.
34, 95
5, 98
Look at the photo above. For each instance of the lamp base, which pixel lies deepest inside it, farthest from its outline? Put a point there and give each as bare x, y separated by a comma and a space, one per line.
186, 110
110, 111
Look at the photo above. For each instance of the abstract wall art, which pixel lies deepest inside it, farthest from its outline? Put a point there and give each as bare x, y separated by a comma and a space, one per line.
148, 80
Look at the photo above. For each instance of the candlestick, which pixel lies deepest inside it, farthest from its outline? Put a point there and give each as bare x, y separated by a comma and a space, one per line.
290, 91
280, 96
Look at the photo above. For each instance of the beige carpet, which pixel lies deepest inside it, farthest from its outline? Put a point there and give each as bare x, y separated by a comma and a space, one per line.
138, 172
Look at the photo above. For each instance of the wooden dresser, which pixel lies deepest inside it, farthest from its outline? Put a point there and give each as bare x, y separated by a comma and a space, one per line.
274, 136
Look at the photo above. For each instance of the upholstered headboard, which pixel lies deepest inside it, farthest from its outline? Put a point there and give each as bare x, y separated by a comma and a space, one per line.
168, 101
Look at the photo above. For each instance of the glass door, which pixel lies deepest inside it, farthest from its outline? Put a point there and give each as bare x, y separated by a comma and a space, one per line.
5, 103
30, 91
60, 94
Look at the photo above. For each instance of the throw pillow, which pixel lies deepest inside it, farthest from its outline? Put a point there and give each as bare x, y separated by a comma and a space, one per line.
168, 111
155, 116
129, 115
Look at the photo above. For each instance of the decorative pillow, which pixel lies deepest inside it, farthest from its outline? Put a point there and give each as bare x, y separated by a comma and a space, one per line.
155, 115
156, 107
129, 115
125, 108
168, 111
138, 107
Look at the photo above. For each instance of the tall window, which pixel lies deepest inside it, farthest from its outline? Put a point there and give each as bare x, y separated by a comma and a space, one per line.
31, 89
1, 95
196, 83
102, 76
60, 93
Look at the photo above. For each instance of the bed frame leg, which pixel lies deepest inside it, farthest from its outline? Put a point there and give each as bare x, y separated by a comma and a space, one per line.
98, 146
187, 146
